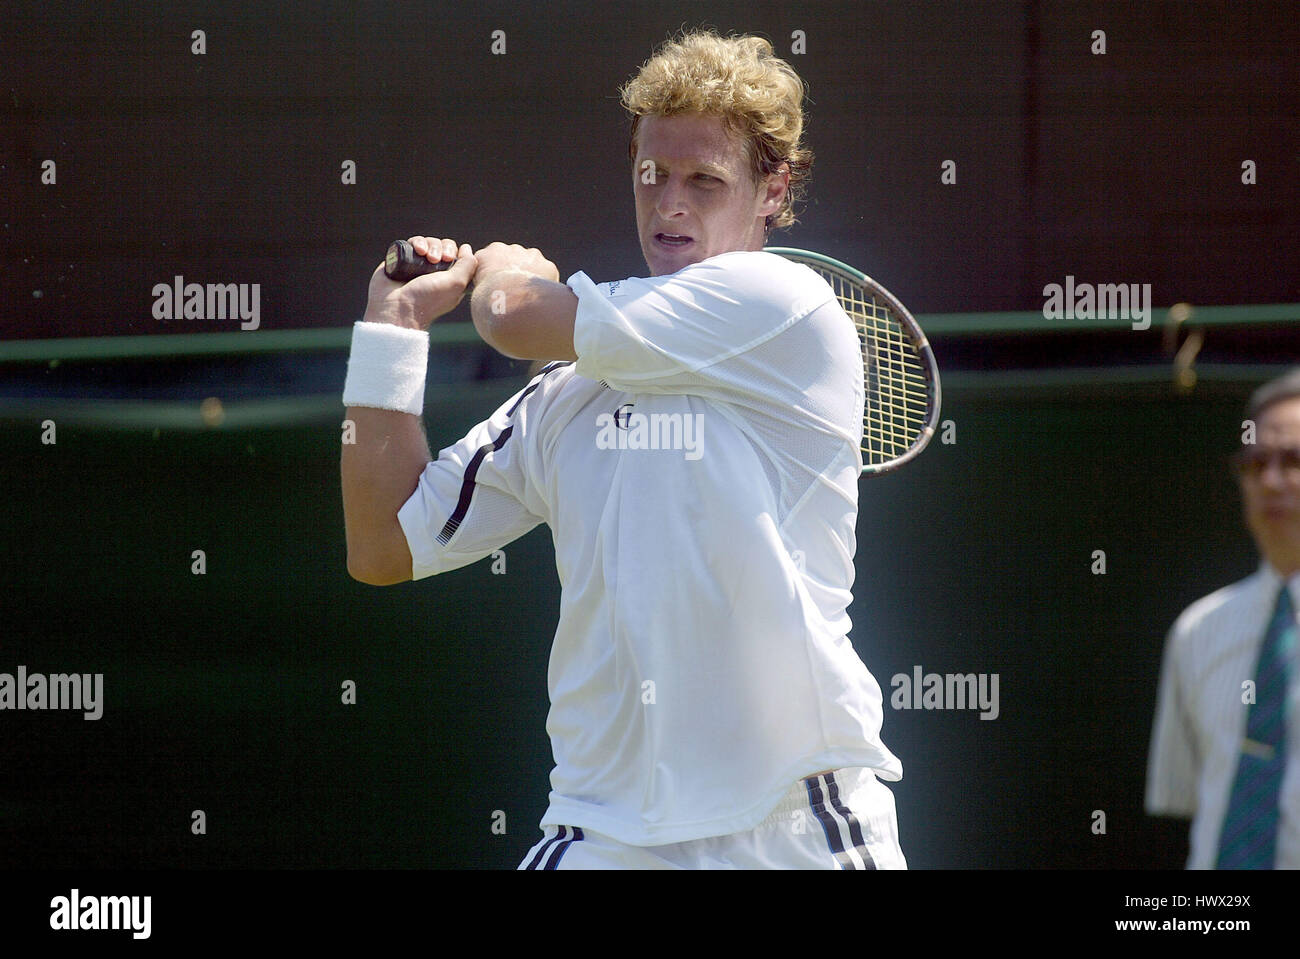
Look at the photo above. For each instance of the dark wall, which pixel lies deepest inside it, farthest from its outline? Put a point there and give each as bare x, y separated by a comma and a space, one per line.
225, 167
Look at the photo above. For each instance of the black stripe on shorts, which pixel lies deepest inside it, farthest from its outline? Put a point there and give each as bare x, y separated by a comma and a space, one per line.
562, 848
831, 816
855, 827
556, 847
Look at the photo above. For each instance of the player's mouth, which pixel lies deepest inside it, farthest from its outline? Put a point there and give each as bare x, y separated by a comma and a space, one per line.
673, 241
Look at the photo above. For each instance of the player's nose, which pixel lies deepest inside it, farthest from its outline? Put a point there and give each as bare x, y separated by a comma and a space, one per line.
672, 199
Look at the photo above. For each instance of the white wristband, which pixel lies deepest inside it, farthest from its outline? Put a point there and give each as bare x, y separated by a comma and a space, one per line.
387, 368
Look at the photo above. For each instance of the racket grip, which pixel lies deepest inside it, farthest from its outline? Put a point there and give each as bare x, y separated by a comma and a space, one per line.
402, 263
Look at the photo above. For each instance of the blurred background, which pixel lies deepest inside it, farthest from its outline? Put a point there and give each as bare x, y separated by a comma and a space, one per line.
1170, 159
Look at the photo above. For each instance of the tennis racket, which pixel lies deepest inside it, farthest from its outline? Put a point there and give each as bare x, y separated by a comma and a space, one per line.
900, 376
402, 263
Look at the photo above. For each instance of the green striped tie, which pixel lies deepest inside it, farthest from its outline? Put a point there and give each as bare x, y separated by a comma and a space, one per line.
1249, 838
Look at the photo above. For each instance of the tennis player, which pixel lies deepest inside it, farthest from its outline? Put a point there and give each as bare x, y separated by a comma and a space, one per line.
695, 453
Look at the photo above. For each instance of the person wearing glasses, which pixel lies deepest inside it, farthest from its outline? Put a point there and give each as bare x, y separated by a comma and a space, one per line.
1225, 747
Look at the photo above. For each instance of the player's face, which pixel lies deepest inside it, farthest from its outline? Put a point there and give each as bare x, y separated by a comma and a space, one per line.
1271, 490
695, 194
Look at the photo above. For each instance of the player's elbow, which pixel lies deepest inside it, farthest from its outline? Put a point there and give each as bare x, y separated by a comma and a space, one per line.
495, 330
498, 327
525, 317
377, 569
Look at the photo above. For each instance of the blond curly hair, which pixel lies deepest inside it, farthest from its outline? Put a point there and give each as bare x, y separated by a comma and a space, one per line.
738, 78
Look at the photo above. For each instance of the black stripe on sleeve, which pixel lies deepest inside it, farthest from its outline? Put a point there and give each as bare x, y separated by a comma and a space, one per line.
537, 381
471, 471
467, 486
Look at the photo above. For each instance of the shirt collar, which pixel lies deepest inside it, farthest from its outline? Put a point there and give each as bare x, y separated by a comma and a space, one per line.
1272, 581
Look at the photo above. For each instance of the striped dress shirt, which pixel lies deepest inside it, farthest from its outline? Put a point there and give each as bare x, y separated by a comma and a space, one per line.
1200, 719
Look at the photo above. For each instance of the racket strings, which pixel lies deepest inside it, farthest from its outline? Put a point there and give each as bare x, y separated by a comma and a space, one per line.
896, 386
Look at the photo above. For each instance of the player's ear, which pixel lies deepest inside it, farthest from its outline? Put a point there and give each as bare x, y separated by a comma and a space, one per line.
775, 186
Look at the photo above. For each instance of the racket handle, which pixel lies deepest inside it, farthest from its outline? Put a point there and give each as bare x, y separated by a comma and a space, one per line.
402, 263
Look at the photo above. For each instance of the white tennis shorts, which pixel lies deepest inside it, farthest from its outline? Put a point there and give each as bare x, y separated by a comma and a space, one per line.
844, 819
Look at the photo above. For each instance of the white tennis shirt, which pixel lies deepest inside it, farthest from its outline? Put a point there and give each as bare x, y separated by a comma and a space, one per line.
698, 468
1200, 719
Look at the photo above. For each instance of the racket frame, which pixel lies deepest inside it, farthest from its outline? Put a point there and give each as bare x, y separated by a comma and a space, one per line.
911, 329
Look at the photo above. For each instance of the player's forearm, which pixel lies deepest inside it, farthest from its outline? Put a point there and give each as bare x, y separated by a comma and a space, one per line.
381, 470
524, 316
385, 451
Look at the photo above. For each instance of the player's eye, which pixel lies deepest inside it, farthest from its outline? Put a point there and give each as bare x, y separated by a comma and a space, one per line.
649, 173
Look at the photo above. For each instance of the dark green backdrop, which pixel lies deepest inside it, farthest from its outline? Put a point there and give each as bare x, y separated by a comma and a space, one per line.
223, 691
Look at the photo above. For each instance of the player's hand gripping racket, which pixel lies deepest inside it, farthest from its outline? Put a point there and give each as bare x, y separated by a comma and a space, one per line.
898, 368
402, 263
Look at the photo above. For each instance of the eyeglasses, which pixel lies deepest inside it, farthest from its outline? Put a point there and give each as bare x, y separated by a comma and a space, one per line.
1252, 461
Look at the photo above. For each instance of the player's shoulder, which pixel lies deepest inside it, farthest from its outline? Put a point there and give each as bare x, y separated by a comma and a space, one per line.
1223, 607
765, 279
755, 285
761, 268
